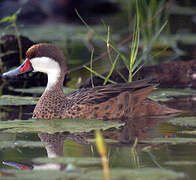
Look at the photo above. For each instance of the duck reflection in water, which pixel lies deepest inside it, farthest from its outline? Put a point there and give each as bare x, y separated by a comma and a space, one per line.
125, 136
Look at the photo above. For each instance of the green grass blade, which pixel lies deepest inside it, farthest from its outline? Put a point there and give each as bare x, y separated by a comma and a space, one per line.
135, 43
99, 75
111, 70
91, 66
137, 70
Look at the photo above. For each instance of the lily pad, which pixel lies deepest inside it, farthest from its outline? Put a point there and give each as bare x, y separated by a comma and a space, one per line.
175, 140
57, 125
180, 163
14, 144
167, 94
134, 174
77, 161
184, 121
6, 100
189, 132
40, 90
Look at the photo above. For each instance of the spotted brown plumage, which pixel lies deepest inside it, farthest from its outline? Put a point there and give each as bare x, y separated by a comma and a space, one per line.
116, 101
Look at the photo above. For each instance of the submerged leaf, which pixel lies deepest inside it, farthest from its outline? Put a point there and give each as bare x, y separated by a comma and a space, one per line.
6, 100
77, 161
184, 121
40, 90
175, 140
189, 132
14, 144
57, 125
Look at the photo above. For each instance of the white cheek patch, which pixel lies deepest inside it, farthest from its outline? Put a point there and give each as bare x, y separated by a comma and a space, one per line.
48, 66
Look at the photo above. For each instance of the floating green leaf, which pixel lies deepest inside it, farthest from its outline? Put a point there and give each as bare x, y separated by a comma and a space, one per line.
159, 97
14, 144
77, 161
136, 174
166, 94
57, 125
6, 100
180, 163
175, 140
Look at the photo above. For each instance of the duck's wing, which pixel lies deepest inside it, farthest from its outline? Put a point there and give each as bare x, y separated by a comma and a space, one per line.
102, 94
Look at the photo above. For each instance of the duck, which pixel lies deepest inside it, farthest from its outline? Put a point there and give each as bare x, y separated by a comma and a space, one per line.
113, 101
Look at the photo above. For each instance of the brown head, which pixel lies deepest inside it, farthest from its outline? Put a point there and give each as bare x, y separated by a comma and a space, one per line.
47, 50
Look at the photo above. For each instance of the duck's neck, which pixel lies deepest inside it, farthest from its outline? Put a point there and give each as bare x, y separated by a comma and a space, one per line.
55, 84
52, 97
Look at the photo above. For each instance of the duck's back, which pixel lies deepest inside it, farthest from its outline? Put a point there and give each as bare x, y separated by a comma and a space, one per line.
109, 102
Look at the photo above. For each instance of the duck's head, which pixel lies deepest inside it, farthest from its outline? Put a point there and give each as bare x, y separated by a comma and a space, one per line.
43, 57
46, 58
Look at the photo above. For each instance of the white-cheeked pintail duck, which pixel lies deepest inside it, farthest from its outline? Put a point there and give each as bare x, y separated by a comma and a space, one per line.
117, 101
